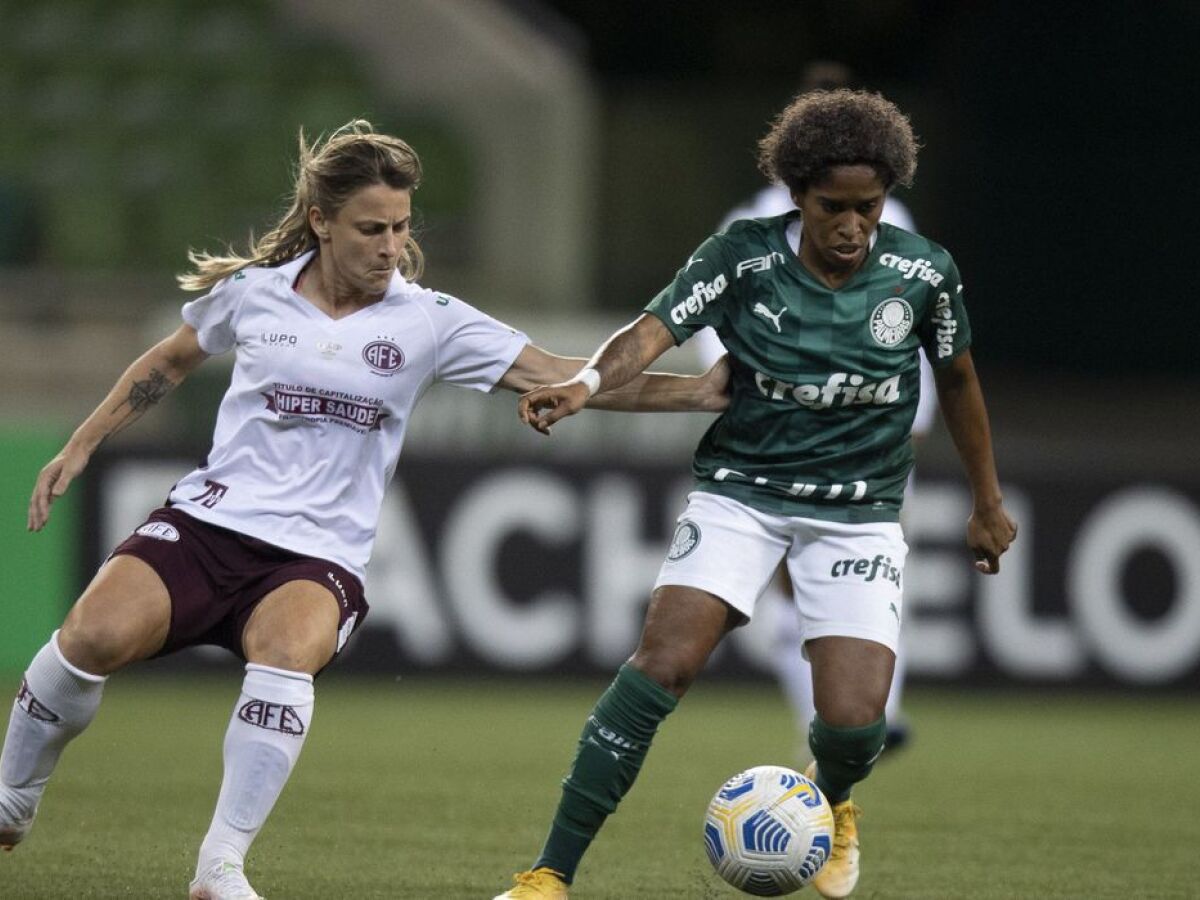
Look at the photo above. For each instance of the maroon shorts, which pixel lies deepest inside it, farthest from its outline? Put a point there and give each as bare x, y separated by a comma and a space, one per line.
217, 577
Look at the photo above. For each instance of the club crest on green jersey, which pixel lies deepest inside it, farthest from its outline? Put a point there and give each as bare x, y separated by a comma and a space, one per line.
686, 539
891, 321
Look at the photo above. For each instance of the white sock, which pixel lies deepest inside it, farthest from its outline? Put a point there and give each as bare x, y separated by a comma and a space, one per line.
263, 742
55, 703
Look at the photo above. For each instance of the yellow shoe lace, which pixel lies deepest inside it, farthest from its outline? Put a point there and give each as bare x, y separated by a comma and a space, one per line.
535, 880
845, 826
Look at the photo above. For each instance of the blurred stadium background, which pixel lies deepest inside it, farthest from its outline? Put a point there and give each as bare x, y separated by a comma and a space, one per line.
575, 154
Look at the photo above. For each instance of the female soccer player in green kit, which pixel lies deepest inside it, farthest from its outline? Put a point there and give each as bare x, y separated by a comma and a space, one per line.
822, 310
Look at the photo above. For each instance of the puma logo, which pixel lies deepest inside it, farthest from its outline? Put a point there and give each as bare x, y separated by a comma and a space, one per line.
761, 310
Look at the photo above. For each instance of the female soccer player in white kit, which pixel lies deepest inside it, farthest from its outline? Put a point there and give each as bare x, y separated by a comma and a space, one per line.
262, 548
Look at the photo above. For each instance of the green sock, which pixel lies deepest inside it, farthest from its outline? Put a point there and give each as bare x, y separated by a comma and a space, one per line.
613, 745
845, 756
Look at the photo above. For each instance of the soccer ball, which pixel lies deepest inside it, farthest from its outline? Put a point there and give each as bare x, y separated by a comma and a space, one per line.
768, 831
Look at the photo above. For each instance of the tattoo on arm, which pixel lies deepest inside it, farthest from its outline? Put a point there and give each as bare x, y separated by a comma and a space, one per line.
142, 395
145, 394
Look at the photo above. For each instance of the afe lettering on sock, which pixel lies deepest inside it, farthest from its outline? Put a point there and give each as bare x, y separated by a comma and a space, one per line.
33, 708
272, 717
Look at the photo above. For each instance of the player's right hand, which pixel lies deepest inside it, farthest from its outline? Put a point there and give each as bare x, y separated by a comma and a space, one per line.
52, 482
543, 406
990, 532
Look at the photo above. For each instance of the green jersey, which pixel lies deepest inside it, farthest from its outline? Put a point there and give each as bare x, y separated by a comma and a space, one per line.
825, 382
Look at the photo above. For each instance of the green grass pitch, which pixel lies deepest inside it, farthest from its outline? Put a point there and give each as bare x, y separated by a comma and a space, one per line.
422, 788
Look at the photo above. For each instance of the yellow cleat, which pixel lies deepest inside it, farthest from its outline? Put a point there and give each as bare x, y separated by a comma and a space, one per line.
839, 875
538, 884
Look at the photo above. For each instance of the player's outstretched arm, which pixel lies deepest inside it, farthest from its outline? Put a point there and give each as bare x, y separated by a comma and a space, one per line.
649, 392
151, 376
561, 388
990, 530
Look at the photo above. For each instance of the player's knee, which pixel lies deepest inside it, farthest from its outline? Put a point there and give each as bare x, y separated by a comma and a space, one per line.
850, 711
294, 650
98, 645
674, 671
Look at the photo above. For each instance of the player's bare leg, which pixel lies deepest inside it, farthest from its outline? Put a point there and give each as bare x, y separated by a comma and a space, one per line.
851, 678
123, 616
683, 626
291, 636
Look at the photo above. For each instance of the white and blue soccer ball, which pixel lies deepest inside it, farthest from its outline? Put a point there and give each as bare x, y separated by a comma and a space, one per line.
768, 831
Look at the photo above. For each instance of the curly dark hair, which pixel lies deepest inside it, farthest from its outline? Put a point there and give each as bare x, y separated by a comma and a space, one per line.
822, 129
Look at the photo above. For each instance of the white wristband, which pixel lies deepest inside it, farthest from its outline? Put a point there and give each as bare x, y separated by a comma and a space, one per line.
588, 377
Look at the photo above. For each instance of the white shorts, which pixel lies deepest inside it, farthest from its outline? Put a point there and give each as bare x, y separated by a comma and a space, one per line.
846, 578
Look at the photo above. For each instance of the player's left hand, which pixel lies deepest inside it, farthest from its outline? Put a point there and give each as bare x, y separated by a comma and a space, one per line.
543, 406
52, 482
990, 531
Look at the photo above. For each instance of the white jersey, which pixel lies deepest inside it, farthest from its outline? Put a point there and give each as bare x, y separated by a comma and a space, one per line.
775, 200
310, 430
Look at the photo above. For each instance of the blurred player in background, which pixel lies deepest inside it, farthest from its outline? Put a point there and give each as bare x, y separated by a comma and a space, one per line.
791, 668
822, 310
262, 549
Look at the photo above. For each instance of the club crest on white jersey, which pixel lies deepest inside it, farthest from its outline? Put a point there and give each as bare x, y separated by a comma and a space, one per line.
383, 357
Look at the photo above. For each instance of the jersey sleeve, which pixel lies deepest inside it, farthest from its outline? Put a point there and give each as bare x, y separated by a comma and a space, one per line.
693, 300
946, 331
214, 315
473, 349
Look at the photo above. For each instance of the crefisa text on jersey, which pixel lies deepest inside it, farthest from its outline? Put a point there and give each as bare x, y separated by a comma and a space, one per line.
913, 268
702, 294
947, 325
841, 389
